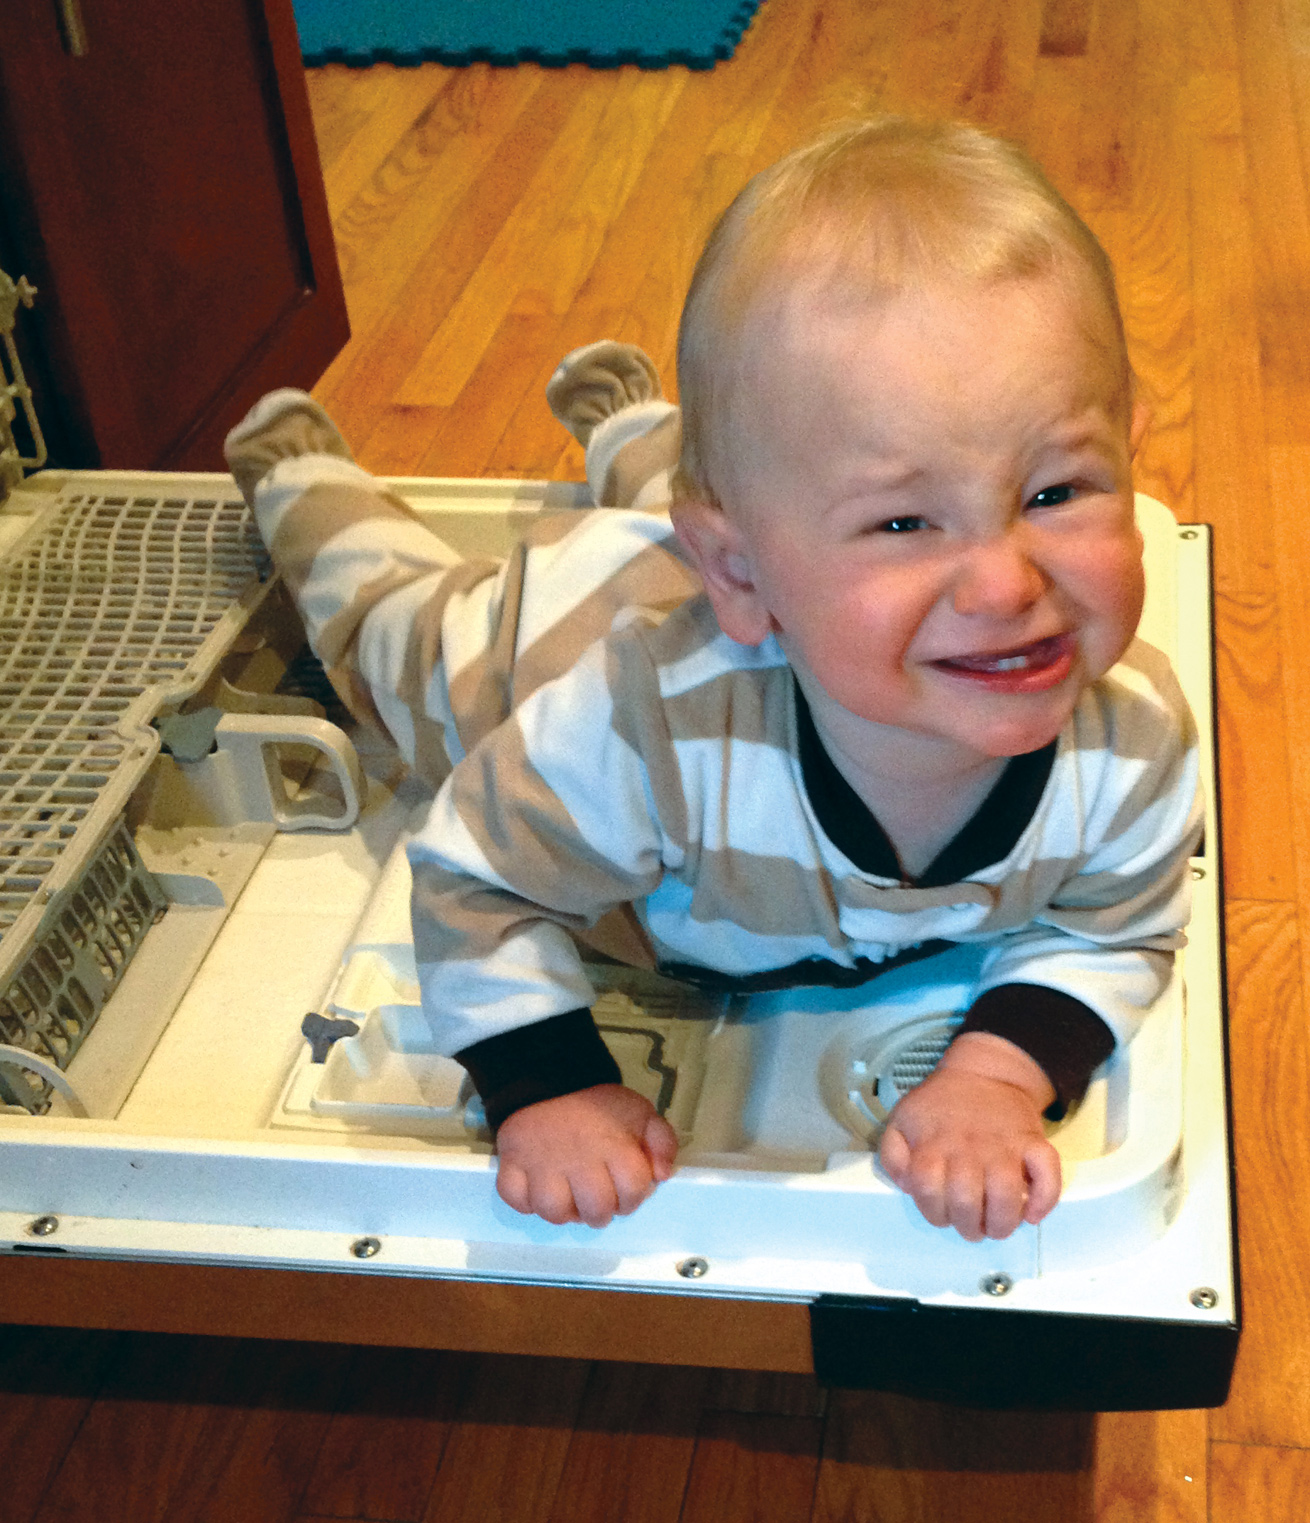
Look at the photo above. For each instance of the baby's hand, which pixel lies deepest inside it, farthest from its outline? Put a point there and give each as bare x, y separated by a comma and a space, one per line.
584, 1157
967, 1144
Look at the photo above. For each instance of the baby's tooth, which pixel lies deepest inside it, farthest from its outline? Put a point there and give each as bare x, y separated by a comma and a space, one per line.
1011, 663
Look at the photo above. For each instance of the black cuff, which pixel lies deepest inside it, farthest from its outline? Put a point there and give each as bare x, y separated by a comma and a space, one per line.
541, 1061
1065, 1038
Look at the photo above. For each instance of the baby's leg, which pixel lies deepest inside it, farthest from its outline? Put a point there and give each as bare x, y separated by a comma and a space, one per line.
388, 607
608, 396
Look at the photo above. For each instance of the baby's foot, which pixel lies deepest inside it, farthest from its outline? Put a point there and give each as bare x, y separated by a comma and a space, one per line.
597, 381
279, 426
608, 396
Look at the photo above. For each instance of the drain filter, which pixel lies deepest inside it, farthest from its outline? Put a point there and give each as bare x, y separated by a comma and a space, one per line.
862, 1077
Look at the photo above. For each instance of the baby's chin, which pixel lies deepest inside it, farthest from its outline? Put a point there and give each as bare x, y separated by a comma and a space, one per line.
1018, 738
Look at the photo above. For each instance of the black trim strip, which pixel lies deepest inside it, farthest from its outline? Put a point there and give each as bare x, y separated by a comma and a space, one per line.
1020, 1360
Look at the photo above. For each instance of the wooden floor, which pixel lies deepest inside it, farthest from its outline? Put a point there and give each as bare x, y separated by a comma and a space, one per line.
488, 221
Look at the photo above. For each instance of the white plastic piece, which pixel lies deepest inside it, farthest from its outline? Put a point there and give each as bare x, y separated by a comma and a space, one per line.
241, 780
20, 1058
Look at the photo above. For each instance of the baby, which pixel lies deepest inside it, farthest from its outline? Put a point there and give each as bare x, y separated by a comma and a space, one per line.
876, 692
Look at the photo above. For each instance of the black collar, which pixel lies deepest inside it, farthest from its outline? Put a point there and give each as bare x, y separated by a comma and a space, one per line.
988, 837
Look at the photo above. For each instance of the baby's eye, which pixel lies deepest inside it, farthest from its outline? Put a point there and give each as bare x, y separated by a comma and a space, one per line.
907, 523
1052, 497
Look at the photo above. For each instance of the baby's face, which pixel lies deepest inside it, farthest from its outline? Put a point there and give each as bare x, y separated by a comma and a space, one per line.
933, 501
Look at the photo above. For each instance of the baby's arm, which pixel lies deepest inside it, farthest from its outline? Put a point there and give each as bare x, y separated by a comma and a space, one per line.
967, 1144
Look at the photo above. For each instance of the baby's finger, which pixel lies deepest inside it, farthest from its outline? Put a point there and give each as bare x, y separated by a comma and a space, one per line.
966, 1197
924, 1181
632, 1179
1043, 1165
594, 1195
1007, 1197
512, 1187
894, 1155
551, 1198
661, 1144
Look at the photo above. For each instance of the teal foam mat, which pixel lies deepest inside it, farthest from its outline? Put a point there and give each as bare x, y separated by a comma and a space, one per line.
602, 33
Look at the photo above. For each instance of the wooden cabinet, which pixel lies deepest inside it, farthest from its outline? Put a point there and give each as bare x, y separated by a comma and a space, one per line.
160, 186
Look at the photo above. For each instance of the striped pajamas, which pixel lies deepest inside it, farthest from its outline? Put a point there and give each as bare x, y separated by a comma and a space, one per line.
626, 775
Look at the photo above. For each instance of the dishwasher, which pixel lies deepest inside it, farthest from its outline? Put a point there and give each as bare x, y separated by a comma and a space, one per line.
212, 1057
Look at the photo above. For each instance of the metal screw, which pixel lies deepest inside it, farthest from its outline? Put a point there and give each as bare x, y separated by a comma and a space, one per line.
43, 1226
694, 1269
1198, 872
366, 1247
1188, 534
998, 1284
1204, 1298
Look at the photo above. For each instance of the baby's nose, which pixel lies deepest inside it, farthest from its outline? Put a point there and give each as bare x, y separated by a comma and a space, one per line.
997, 578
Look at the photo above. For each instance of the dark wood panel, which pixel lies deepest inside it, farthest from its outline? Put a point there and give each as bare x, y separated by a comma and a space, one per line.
163, 193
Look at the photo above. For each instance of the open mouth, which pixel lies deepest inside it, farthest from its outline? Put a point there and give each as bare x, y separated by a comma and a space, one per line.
1025, 668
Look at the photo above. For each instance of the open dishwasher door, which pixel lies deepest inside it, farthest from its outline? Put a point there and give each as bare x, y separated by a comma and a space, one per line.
214, 1072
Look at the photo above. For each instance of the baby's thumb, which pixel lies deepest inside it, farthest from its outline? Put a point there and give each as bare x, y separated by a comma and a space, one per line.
661, 1144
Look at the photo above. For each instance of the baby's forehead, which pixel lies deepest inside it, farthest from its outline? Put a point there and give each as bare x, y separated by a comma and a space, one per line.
809, 320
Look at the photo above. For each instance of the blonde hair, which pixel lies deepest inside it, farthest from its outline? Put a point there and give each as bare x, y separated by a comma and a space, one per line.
875, 208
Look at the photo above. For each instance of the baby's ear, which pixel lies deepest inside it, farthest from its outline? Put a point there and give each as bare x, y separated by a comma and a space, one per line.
719, 552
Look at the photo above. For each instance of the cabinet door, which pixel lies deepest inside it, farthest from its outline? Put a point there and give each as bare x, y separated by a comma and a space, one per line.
161, 187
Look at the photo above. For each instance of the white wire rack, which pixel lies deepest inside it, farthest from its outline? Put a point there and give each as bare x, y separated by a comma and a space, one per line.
112, 608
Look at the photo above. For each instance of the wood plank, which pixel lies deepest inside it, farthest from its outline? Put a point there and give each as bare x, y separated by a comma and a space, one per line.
137, 1443
1257, 1481
764, 1391
49, 1378
386, 229
383, 111
264, 1419
753, 1465
429, 275
888, 1459
1289, 504
199, 1430
440, 370
1109, 121
1270, 1401
485, 359
1211, 37
631, 1451
1281, 219
1001, 66
775, 97
514, 421
505, 1455
384, 1445
1150, 1467
1255, 787
1156, 286
339, 99
1232, 477
1052, 132
1065, 28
